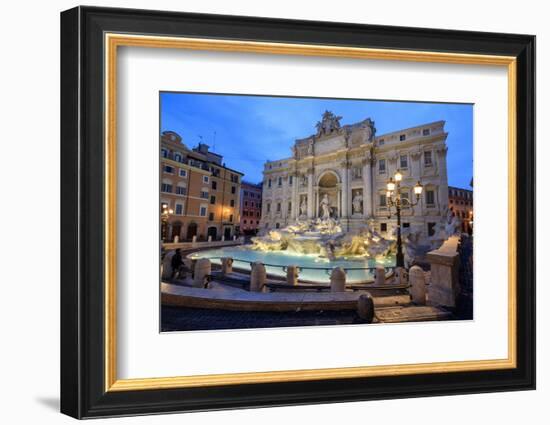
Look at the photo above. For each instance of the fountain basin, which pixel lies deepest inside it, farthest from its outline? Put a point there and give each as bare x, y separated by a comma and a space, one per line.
313, 267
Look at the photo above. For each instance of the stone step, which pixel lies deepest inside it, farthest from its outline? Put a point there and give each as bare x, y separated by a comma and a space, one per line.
412, 313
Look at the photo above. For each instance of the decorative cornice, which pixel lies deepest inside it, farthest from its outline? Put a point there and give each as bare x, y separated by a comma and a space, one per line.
442, 150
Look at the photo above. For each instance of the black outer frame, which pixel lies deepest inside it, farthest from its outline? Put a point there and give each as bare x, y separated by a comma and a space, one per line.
82, 212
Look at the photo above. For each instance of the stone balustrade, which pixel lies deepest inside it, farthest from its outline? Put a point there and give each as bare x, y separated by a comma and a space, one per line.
210, 244
444, 284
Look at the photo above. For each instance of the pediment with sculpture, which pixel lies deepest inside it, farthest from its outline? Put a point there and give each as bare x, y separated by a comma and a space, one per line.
329, 130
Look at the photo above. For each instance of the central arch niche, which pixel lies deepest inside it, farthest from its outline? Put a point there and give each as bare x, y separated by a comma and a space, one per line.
328, 184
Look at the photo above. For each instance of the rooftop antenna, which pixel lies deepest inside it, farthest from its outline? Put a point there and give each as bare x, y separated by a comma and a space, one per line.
214, 142
200, 138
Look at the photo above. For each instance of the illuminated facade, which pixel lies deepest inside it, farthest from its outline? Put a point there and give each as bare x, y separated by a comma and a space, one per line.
348, 167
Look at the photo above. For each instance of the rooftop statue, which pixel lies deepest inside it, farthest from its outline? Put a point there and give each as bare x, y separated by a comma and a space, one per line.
328, 124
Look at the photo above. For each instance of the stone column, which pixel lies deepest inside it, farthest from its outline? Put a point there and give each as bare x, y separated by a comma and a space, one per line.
310, 194
368, 201
339, 198
295, 200
284, 207
344, 190
443, 188
415, 171
316, 200
349, 204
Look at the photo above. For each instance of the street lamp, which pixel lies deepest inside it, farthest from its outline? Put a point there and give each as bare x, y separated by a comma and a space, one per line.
165, 214
394, 199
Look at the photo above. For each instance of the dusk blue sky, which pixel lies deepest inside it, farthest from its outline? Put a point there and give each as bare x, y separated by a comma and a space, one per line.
248, 130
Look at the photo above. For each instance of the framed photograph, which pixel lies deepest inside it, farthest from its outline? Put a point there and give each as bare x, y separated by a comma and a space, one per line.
261, 212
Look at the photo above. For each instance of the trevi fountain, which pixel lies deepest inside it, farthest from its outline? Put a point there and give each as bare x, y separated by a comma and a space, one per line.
318, 245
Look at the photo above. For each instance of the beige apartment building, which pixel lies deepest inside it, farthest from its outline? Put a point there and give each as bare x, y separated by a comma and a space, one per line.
201, 193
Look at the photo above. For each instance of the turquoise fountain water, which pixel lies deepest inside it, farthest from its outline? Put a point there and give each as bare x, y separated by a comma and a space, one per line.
313, 267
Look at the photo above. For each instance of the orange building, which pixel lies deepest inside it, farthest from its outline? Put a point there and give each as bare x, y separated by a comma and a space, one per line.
251, 208
200, 193
461, 203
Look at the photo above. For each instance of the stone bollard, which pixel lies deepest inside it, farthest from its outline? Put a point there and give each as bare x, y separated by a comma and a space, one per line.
292, 275
227, 265
223, 238
194, 242
167, 265
338, 280
418, 285
258, 277
203, 268
400, 276
365, 308
176, 239
380, 275
234, 237
210, 238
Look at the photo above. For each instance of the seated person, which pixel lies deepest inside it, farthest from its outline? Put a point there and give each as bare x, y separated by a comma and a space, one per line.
177, 264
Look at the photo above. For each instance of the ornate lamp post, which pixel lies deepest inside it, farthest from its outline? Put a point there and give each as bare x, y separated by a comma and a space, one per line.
395, 200
165, 214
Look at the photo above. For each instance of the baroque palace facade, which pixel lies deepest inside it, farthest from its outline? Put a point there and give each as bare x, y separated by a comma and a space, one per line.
200, 190
349, 166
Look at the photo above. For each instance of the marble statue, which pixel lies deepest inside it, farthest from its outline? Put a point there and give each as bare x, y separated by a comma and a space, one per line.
310, 148
303, 206
370, 131
325, 207
453, 223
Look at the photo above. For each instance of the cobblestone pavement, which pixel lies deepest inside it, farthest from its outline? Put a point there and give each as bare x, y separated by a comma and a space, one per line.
187, 319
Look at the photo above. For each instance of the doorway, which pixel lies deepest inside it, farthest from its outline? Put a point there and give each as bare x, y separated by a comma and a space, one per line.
227, 233
191, 230
212, 231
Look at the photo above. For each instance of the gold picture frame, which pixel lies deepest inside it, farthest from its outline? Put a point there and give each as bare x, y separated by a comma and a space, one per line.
114, 41
91, 39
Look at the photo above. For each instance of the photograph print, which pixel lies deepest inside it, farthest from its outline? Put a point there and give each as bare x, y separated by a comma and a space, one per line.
292, 211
